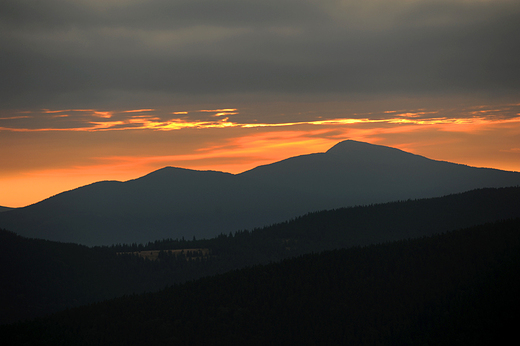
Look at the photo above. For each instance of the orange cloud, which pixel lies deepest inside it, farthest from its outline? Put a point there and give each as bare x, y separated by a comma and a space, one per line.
218, 110
468, 117
55, 111
224, 113
147, 122
16, 117
103, 114
138, 110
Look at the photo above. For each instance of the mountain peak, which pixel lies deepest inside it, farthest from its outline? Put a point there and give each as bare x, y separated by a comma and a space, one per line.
348, 145
352, 146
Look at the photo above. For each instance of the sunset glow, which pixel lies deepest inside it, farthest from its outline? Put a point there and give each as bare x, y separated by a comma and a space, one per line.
93, 91
233, 146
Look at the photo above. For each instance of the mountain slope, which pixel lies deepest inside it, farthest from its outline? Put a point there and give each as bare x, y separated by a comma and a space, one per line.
357, 173
174, 202
43, 276
170, 202
458, 288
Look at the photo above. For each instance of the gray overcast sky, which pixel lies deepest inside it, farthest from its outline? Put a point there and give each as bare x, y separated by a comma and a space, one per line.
120, 53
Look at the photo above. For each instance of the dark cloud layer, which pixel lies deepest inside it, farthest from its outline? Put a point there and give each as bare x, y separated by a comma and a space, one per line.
56, 52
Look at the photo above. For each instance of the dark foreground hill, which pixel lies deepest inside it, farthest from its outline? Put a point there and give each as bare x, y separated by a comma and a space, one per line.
174, 202
458, 288
40, 277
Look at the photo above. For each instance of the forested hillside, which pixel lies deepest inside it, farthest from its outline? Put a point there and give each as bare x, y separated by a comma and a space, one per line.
44, 276
457, 288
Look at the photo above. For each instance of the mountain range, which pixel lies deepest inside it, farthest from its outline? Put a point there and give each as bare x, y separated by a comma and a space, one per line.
42, 276
175, 202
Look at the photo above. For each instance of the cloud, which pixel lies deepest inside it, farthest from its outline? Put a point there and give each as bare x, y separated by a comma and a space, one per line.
91, 120
96, 53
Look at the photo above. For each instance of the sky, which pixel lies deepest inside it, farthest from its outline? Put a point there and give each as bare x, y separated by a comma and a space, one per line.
97, 90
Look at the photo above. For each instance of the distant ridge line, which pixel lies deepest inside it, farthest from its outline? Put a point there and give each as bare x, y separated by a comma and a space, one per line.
175, 202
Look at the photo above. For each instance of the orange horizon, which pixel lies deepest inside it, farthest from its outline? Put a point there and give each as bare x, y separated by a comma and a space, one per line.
33, 186
42, 162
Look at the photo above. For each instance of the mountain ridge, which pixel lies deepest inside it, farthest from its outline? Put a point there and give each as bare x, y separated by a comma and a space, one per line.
414, 291
176, 202
44, 276
378, 168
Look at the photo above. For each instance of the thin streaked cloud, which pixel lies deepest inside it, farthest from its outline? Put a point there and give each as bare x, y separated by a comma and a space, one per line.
94, 120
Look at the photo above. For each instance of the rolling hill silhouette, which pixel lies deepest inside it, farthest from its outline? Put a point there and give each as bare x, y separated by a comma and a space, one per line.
456, 288
43, 276
174, 202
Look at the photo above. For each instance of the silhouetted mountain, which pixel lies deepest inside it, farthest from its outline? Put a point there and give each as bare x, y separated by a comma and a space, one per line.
458, 288
357, 173
41, 276
174, 202
170, 202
